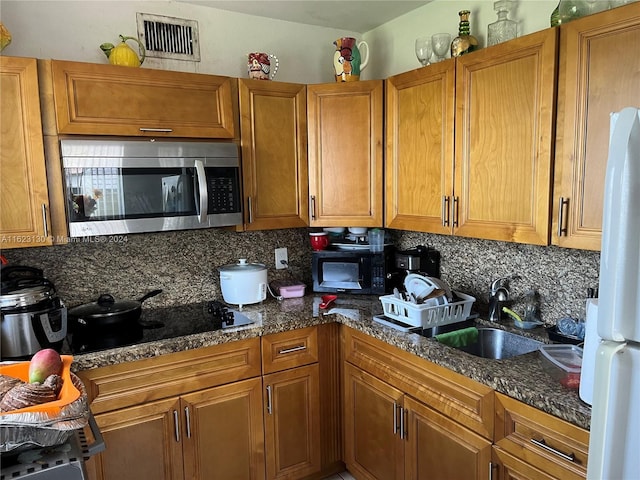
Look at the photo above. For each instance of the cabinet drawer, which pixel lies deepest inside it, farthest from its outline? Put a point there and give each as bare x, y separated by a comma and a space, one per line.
551, 444
281, 351
464, 400
132, 383
99, 99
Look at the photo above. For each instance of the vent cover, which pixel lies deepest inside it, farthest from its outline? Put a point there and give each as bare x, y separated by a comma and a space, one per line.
169, 37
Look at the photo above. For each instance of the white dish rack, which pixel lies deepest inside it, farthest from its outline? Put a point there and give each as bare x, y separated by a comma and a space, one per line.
425, 316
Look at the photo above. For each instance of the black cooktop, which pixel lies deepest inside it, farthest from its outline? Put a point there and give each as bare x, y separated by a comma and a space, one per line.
159, 324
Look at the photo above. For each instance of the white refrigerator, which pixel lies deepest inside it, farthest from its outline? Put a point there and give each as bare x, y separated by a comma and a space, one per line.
611, 363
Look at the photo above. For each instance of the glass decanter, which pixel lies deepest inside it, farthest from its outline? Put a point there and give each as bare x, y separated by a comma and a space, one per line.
503, 29
464, 42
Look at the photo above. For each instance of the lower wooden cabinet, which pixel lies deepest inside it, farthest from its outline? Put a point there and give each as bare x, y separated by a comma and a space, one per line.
195, 414
181, 437
292, 422
530, 444
389, 435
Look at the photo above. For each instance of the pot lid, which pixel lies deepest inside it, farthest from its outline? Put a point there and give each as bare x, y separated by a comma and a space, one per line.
24, 296
105, 306
243, 266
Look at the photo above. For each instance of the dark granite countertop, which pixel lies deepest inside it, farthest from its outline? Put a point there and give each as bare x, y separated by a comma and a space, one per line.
522, 377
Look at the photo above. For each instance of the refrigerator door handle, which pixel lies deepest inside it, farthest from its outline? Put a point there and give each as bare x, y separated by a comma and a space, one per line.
615, 418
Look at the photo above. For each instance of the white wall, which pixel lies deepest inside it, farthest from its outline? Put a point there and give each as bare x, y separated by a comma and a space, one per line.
392, 44
73, 30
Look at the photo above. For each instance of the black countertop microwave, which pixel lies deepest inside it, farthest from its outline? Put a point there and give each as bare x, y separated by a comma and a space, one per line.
353, 271
133, 186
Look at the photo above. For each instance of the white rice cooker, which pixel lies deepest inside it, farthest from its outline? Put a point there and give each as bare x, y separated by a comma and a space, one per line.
243, 283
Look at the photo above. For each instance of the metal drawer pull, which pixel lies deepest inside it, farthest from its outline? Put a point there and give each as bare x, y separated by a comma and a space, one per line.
312, 207
292, 349
455, 211
176, 424
188, 419
250, 209
403, 432
541, 443
158, 130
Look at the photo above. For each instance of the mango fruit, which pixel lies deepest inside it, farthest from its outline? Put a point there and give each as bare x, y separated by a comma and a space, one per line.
44, 363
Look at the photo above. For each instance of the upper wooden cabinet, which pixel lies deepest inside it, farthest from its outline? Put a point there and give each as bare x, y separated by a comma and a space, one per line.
486, 174
420, 108
273, 124
345, 153
599, 73
97, 99
23, 189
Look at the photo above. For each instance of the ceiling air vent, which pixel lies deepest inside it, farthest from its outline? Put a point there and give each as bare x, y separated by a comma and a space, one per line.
169, 37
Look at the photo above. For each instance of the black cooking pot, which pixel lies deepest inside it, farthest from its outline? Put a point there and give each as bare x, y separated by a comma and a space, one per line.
107, 312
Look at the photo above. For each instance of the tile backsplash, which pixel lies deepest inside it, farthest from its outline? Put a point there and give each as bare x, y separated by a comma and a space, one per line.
184, 264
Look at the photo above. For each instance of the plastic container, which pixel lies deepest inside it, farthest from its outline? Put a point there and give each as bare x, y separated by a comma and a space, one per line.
424, 315
68, 394
563, 363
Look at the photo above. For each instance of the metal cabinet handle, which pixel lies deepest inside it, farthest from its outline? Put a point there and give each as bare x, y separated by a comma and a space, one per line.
395, 418
403, 426
176, 425
541, 443
250, 208
156, 130
445, 211
44, 220
491, 467
188, 420
269, 399
454, 211
561, 205
292, 349
312, 207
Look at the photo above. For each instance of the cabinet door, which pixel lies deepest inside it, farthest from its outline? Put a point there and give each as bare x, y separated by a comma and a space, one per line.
419, 135
142, 442
223, 434
273, 122
111, 100
23, 191
292, 422
598, 75
504, 119
372, 416
345, 153
438, 447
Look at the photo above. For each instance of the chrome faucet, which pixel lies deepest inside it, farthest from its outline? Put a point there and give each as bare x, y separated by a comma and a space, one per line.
499, 297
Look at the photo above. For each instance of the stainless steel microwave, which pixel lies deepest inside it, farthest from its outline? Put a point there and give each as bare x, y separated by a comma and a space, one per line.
128, 186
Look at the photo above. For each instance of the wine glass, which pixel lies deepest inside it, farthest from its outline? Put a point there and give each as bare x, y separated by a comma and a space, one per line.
423, 50
440, 43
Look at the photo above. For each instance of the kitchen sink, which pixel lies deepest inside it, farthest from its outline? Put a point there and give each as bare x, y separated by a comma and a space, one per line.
499, 344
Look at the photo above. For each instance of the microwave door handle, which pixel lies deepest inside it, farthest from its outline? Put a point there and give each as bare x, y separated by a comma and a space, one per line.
202, 188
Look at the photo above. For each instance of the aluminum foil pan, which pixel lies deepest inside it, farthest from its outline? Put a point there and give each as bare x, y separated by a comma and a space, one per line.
43, 429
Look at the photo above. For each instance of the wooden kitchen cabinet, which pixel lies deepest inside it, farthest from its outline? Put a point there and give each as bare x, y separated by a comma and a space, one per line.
598, 74
97, 99
491, 177
373, 446
24, 216
273, 124
163, 417
292, 403
532, 444
422, 421
345, 128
